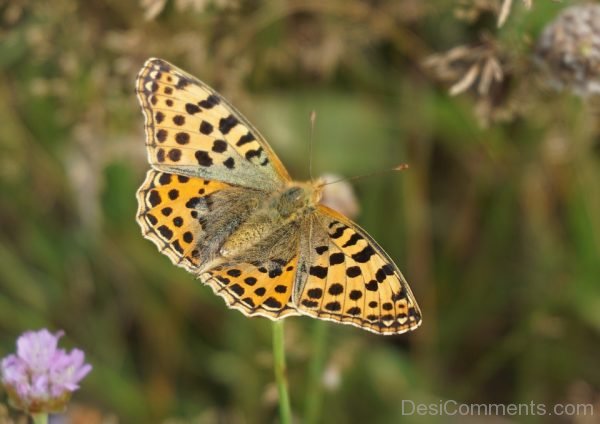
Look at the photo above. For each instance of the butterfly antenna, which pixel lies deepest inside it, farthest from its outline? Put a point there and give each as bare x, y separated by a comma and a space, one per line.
400, 167
313, 119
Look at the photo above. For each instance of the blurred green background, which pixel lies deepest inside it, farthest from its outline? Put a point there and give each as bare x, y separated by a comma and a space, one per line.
496, 225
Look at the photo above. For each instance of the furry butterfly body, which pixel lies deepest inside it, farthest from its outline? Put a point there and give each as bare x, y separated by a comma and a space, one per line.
219, 203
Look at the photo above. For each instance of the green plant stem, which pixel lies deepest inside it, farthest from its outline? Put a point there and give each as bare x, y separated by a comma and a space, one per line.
40, 418
314, 395
285, 411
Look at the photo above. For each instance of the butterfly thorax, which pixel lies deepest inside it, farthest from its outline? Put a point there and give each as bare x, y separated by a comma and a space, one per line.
279, 215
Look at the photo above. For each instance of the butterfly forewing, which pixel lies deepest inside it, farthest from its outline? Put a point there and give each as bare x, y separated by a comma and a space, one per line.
349, 278
192, 130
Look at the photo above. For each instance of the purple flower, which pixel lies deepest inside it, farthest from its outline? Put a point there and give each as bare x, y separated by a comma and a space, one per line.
41, 377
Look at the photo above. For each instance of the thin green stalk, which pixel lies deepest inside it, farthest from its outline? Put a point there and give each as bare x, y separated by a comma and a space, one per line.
285, 411
40, 418
314, 396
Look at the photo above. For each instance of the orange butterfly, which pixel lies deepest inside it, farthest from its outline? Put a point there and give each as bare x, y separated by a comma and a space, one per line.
219, 203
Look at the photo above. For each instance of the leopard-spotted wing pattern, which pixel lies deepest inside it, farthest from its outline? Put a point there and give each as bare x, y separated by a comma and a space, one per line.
169, 215
191, 130
350, 279
255, 289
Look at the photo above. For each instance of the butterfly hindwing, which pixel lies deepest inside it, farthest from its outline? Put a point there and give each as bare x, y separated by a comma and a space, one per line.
169, 215
349, 278
192, 130
255, 289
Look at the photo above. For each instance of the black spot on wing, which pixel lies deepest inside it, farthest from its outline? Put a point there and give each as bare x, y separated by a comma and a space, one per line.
355, 294
191, 108
253, 153
203, 158
151, 219
219, 146
372, 285
333, 306
272, 303
177, 246
353, 240
174, 155
414, 314
248, 301
336, 258
192, 203
315, 293
321, 249
380, 275
336, 289
182, 138
353, 271
275, 272
206, 128
364, 255
161, 135
318, 271
237, 289
165, 232
182, 83
234, 272
154, 198
210, 102
226, 124
338, 232
229, 163
179, 120
310, 303
164, 179
246, 138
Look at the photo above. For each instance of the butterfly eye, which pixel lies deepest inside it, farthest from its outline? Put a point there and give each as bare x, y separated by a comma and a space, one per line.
293, 194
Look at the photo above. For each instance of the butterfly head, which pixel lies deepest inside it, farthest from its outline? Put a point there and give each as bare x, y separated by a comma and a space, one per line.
298, 198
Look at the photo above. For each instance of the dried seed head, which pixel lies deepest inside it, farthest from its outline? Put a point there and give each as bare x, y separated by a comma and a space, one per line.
569, 50
479, 67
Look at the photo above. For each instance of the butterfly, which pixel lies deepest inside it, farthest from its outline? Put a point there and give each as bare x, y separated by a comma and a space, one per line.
219, 203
